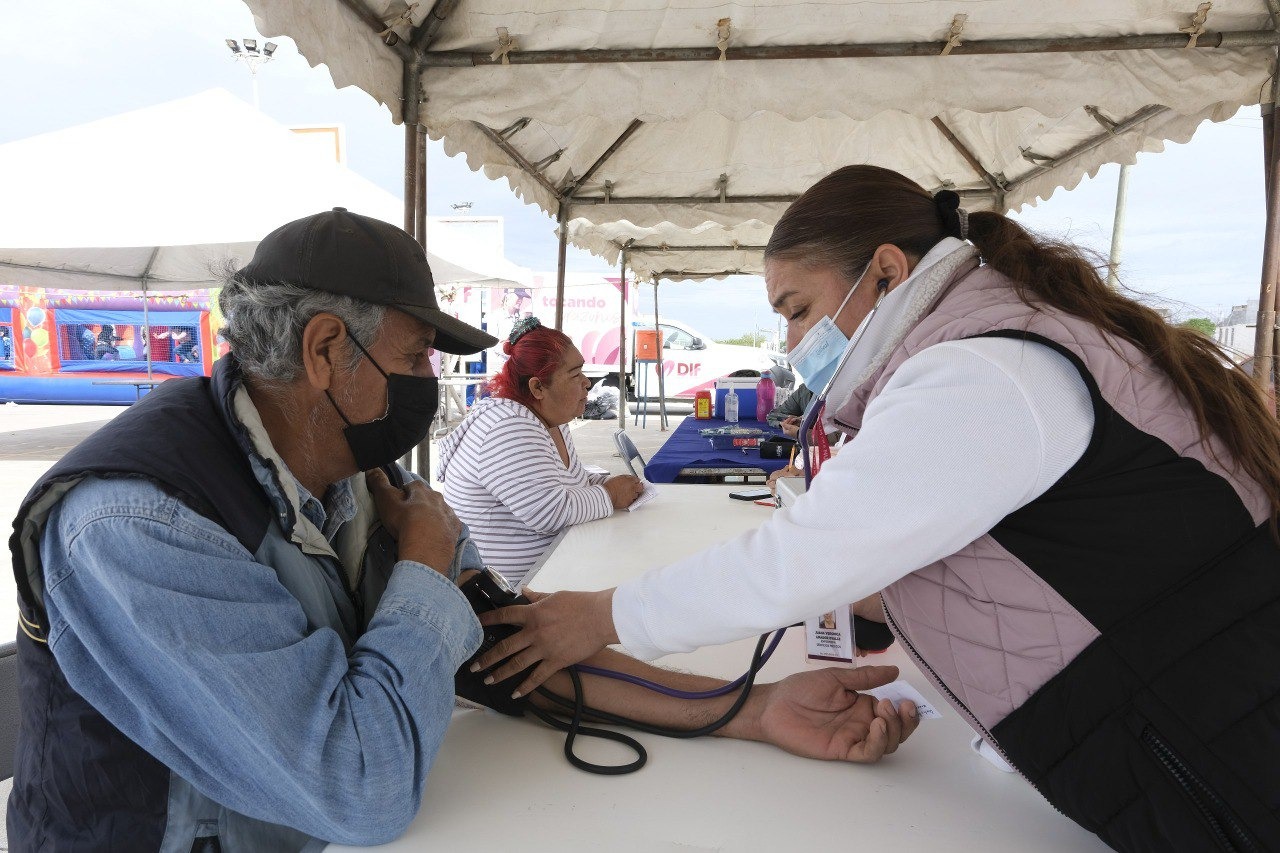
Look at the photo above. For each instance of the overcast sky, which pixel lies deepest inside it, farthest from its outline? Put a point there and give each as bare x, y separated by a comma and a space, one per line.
1194, 223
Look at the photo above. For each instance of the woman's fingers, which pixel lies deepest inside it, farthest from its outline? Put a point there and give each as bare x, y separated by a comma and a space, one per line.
557, 631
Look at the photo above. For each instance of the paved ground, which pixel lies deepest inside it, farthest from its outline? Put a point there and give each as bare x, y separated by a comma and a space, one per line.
34, 437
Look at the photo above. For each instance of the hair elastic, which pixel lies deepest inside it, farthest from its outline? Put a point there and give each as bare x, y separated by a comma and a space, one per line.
523, 327
955, 219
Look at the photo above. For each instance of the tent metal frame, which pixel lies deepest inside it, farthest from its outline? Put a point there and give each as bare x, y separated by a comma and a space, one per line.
418, 59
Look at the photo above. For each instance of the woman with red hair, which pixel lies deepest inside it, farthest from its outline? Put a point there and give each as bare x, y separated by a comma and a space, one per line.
510, 470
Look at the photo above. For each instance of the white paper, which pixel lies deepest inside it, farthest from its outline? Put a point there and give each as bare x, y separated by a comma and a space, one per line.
595, 469
898, 690
650, 492
984, 749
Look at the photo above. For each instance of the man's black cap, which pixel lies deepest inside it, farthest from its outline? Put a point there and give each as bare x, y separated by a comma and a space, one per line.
342, 252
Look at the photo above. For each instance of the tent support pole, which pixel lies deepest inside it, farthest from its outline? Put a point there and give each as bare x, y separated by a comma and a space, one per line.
391, 40
423, 462
420, 234
410, 169
508, 149
603, 158
415, 204
1265, 341
1118, 128
146, 326
697, 248
562, 230
146, 313
622, 344
977, 47
426, 32
661, 365
728, 199
996, 186
409, 117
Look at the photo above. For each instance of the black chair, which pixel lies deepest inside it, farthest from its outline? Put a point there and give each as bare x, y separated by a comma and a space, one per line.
8, 707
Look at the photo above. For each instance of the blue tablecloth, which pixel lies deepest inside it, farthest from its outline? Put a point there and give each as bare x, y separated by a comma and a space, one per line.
687, 449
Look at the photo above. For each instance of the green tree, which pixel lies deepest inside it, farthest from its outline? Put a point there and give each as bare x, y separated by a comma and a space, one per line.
1203, 325
750, 339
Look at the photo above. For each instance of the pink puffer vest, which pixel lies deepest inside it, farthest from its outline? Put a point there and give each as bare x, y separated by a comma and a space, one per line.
987, 628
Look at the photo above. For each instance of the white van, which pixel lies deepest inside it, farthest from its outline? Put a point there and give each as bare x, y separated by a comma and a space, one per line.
592, 309
691, 361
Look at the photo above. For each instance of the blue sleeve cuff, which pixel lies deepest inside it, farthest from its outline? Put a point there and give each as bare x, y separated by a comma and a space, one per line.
421, 592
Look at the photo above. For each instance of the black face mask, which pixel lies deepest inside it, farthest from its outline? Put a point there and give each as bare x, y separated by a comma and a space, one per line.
411, 406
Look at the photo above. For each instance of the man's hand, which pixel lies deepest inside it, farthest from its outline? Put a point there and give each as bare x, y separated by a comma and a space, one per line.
790, 426
424, 527
556, 630
819, 714
623, 490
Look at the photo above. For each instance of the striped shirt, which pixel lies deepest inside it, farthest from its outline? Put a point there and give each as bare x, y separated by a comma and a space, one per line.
504, 478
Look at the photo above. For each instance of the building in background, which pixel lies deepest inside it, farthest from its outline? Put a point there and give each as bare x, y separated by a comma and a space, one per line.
1238, 331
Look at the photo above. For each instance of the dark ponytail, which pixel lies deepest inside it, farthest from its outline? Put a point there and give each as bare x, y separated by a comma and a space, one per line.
842, 219
1223, 398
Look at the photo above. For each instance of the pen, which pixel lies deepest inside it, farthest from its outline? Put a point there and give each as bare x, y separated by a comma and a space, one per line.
792, 461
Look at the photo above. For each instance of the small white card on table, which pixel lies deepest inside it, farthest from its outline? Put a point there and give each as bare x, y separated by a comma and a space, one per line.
898, 690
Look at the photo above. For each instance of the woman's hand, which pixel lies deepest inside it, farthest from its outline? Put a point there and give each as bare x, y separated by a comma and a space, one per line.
821, 715
790, 426
787, 470
555, 631
623, 490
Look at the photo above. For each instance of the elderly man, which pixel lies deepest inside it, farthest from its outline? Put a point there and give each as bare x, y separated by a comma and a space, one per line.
232, 638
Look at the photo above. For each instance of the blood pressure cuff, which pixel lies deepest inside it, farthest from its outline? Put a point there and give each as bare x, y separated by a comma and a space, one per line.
470, 686
487, 590
871, 636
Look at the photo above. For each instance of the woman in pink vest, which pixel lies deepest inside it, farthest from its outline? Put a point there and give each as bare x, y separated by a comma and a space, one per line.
1068, 506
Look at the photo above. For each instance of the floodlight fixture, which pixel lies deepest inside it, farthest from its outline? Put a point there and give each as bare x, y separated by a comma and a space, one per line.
246, 50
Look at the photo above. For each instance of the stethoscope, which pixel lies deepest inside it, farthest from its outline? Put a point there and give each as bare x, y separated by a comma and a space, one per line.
815, 407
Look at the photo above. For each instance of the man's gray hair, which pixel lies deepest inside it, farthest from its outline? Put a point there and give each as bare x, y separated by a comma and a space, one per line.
264, 324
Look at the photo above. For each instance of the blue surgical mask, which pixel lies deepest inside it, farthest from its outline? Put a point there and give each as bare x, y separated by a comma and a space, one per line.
816, 356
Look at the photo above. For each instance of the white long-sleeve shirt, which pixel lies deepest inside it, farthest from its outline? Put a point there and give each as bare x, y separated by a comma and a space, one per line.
504, 478
964, 433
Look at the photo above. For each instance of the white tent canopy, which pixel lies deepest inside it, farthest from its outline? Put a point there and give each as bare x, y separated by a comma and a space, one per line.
624, 124
180, 190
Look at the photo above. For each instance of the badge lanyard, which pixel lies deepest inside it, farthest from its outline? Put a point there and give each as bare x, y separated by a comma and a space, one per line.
814, 415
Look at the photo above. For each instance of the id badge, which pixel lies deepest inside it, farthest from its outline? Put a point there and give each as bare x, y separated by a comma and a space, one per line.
828, 638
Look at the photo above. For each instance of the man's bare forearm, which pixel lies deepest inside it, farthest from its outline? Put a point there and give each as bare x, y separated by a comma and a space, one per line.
649, 706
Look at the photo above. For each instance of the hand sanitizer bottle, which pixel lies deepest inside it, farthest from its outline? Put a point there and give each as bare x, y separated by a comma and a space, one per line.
731, 406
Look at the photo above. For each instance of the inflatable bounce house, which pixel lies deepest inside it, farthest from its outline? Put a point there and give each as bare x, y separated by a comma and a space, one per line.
69, 346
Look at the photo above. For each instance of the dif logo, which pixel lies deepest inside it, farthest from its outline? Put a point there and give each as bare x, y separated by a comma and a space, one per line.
680, 368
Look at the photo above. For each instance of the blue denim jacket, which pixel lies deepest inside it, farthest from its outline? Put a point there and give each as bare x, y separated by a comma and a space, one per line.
196, 651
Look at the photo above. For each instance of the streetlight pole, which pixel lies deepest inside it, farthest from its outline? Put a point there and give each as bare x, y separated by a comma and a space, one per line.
1117, 227
252, 57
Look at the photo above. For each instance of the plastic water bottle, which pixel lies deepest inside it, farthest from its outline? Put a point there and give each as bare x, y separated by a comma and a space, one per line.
766, 393
731, 406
